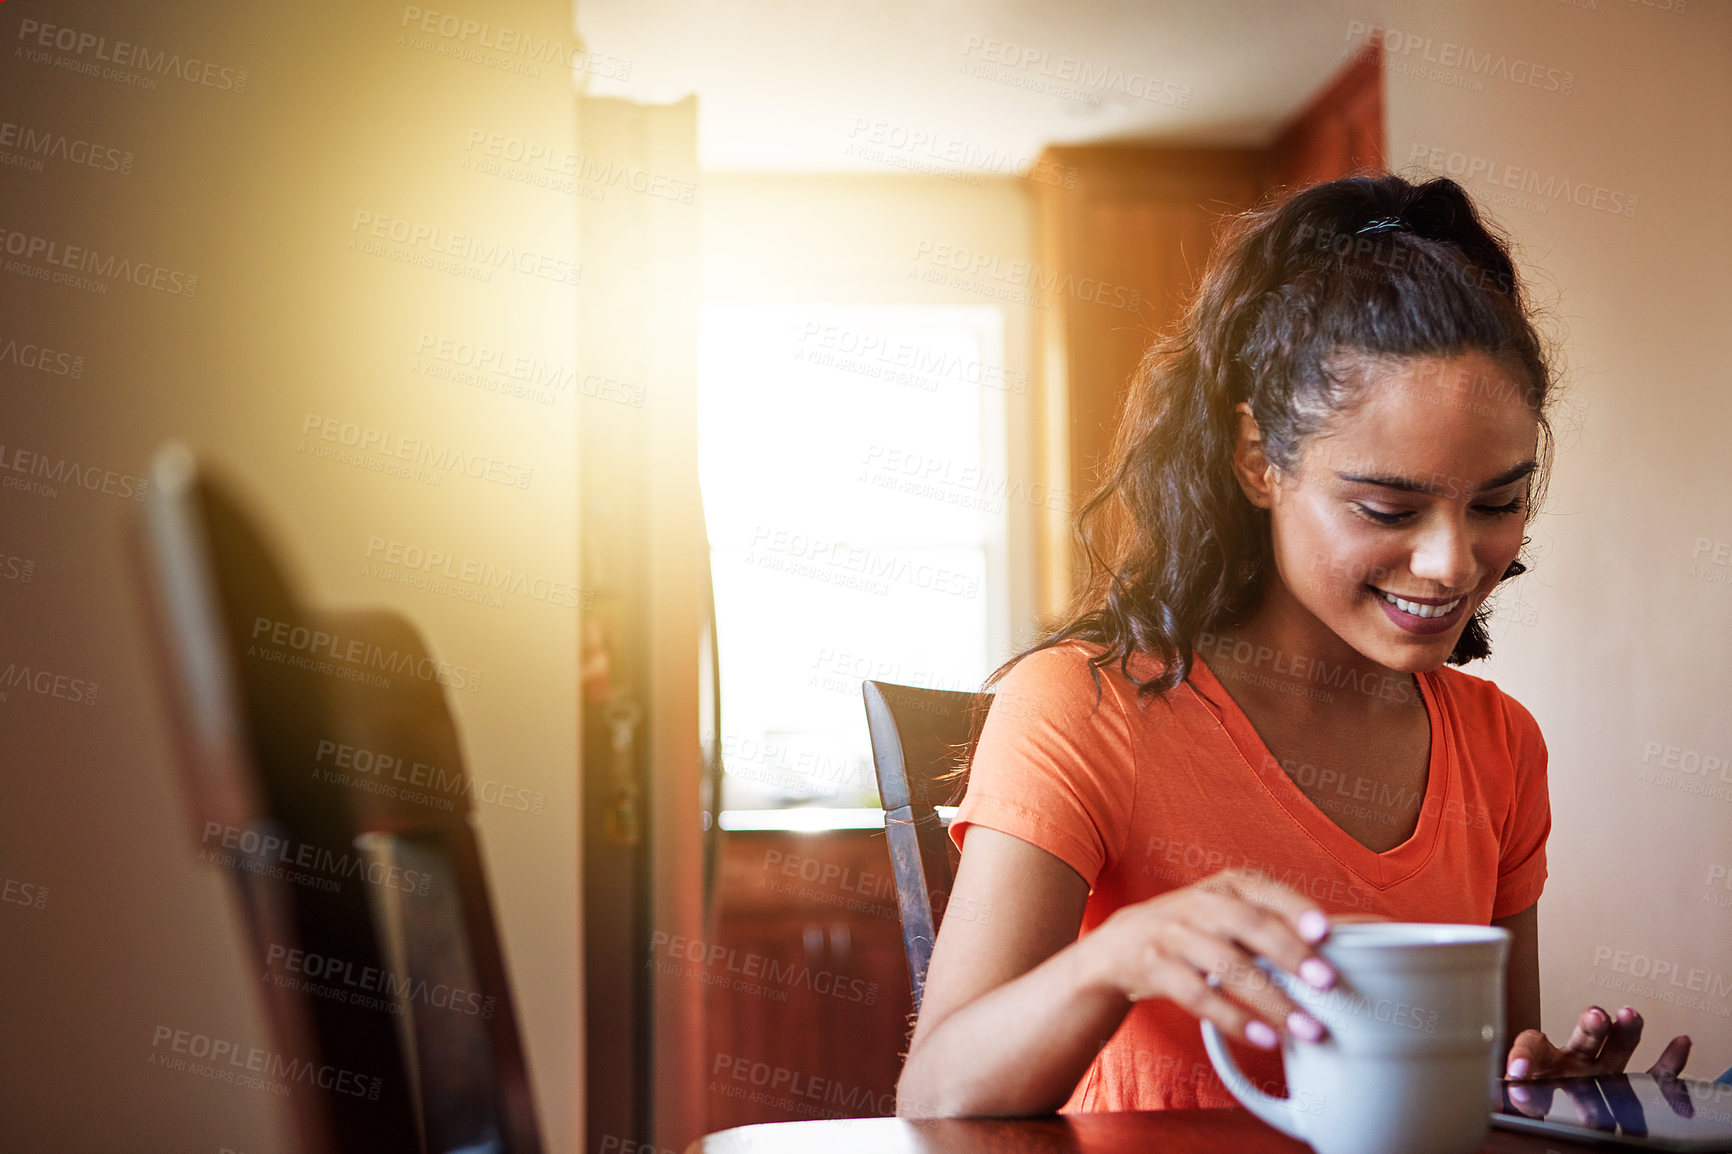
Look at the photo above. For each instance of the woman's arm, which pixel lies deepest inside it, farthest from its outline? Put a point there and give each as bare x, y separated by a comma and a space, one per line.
1522, 979
1005, 1026
1016, 1006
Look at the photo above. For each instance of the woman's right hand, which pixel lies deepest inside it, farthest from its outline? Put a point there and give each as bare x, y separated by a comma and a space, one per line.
1198, 947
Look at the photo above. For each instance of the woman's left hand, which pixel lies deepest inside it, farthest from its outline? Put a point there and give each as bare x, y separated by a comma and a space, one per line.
1600, 1044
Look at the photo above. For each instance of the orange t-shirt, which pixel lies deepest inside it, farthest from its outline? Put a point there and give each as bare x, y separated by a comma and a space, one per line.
1143, 799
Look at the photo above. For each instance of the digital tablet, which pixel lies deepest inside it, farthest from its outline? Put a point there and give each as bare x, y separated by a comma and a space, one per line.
1628, 1110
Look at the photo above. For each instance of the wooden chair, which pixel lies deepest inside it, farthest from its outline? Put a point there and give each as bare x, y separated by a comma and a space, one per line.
323, 769
920, 737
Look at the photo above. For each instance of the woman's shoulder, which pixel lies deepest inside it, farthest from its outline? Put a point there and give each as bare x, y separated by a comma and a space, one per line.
1484, 707
1074, 668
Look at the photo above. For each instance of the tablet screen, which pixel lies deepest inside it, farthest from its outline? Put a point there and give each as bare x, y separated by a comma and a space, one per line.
1629, 1109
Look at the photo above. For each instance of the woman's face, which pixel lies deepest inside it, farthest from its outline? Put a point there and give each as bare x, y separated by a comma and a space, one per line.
1406, 508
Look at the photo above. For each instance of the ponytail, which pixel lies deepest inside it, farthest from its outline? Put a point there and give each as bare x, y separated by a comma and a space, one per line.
1371, 266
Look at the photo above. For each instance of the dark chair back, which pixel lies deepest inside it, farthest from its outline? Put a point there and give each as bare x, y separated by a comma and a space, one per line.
920, 737
323, 768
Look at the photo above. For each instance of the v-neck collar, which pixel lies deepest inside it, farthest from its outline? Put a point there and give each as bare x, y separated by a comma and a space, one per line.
1380, 870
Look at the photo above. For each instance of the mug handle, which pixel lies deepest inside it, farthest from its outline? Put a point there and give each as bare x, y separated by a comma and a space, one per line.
1278, 1112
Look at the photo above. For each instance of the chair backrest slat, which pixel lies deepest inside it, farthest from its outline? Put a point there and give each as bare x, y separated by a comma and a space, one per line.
388, 881
920, 738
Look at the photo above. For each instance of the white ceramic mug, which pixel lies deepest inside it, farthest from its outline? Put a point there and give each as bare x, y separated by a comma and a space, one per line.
1415, 1031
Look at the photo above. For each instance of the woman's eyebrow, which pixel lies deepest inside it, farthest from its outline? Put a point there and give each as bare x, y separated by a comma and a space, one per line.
1438, 485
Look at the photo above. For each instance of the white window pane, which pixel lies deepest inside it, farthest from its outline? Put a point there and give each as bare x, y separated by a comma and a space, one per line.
844, 461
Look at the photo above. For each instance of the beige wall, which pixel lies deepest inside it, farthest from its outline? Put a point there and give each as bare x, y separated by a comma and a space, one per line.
1617, 639
257, 192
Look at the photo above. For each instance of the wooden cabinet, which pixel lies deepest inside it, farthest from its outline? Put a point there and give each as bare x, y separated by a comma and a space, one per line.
1123, 232
807, 1002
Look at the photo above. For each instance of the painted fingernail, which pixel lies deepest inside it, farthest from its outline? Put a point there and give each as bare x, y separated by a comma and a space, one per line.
1518, 1068
1520, 1094
1317, 972
1261, 1035
1313, 926
1303, 1026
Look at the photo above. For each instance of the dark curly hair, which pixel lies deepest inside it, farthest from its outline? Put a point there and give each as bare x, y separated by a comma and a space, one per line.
1298, 299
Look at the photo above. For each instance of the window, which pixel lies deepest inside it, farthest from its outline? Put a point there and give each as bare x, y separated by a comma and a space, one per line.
852, 461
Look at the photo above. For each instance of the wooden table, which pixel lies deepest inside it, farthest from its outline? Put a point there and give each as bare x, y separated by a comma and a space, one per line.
1166, 1131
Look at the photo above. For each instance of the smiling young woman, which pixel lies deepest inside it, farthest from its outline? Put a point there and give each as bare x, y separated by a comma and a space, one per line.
1251, 725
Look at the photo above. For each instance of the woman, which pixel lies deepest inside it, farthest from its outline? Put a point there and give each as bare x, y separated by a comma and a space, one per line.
1250, 726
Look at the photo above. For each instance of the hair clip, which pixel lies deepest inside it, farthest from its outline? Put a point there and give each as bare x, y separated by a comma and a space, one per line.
1383, 224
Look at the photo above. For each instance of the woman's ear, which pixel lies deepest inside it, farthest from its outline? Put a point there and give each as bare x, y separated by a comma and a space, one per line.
1256, 476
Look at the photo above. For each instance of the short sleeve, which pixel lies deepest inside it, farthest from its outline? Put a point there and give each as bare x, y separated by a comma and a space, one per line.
1521, 867
1054, 766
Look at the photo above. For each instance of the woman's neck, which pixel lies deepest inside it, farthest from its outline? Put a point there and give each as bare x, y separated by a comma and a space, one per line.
1287, 661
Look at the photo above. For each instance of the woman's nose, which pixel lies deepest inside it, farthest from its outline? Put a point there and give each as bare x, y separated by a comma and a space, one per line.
1444, 554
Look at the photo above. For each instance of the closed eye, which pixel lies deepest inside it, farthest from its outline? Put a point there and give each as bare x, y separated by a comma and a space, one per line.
1514, 505
1381, 516
1387, 517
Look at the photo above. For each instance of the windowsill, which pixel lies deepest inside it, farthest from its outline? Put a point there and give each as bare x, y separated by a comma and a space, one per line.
812, 819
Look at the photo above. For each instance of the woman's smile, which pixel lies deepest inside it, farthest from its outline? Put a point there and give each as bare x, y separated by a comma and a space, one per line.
1424, 616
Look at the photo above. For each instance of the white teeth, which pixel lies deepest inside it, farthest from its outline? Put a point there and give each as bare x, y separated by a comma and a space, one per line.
1417, 609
